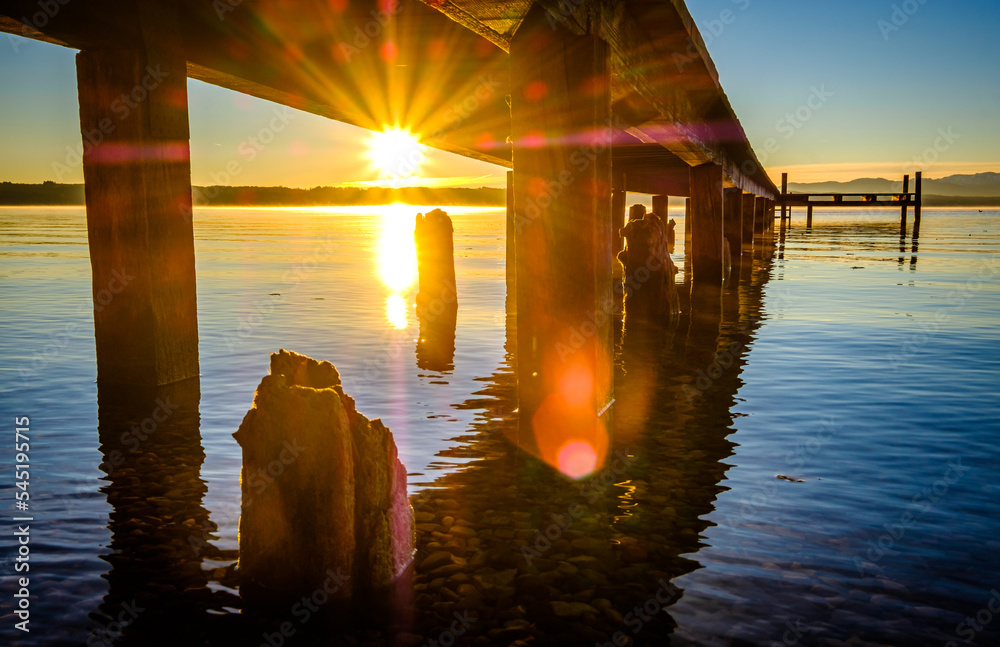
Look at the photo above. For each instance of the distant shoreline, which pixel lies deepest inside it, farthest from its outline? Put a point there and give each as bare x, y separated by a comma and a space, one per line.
51, 194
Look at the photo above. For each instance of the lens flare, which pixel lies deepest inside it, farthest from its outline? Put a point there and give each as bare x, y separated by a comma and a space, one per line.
395, 153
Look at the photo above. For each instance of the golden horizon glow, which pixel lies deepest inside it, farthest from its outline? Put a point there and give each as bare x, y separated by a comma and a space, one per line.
395, 153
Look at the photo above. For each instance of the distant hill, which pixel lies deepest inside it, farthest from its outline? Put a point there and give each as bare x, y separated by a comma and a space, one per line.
984, 185
50, 193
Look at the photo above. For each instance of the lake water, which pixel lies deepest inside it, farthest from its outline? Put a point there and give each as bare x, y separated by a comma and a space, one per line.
861, 367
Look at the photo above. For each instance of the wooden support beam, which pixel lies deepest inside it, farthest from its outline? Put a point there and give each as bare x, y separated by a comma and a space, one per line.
660, 206
511, 246
918, 200
706, 223
137, 172
809, 216
619, 198
759, 210
732, 223
563, 240
784, 191
747, 223
902, 215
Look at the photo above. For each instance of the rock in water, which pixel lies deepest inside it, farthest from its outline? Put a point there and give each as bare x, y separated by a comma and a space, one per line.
324, 491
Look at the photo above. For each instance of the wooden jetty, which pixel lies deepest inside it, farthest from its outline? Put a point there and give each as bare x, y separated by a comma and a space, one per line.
902, 200
584, 101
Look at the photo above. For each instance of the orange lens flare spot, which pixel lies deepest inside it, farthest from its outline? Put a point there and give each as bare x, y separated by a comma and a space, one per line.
577, 459
570, 437
576, 385
536, 91
389, 52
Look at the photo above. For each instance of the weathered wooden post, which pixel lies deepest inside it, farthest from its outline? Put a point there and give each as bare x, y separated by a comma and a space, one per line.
902, 210
434, 239
648, 272
324, 492
564, 247
137, 171
918, 197
510, 244
809, 216
732, 223
618, 200
747, 223
661, 206
706, 223
759, 211
784, 191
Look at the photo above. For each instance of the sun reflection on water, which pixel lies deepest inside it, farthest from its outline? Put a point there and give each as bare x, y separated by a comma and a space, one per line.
397, 259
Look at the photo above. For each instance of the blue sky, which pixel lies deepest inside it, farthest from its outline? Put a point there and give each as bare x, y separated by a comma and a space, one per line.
919, 90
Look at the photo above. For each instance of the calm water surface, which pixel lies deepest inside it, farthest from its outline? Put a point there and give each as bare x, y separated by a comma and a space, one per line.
862, 367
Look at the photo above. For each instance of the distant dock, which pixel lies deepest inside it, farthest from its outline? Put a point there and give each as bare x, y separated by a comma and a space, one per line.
902, 200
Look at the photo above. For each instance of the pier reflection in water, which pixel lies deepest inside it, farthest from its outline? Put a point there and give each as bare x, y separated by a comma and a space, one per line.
161, 554
535, 555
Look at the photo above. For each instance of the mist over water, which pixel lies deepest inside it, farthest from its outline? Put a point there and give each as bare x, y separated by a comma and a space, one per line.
862, 367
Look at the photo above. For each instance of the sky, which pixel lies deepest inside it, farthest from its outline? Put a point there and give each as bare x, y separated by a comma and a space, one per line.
824, 91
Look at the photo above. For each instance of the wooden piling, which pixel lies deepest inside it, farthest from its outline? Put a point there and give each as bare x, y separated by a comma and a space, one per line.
619, 198
784, 190
137, 172
732, 223
918, 200
511, 262
747, 223
706, 223
906, 198
759, 210
661, 206
563, 257
433, 236
809, 216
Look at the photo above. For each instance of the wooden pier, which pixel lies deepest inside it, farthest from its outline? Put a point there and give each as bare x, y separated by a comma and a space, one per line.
584, 101
902, 201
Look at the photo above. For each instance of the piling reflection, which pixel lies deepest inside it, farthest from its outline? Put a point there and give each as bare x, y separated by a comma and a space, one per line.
166, 578
535, 556
436, 341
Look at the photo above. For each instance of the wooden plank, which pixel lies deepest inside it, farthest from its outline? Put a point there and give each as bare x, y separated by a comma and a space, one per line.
706, 223
562, 203
138, 195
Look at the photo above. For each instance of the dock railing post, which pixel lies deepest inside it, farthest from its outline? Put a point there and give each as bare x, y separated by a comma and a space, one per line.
918, 199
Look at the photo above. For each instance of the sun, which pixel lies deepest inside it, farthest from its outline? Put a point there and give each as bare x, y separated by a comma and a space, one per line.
395, 153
